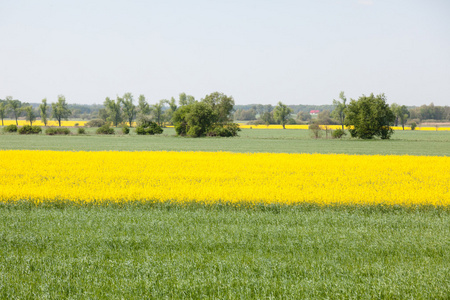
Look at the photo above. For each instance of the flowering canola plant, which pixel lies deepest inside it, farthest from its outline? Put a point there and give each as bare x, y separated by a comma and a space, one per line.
211, 177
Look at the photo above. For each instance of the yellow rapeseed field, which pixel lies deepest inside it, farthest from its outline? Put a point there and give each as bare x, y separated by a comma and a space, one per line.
209, 177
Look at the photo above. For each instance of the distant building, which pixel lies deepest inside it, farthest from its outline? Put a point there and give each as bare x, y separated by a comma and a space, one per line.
314, 112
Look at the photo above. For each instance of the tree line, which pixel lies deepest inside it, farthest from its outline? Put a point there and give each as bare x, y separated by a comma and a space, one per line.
15, 109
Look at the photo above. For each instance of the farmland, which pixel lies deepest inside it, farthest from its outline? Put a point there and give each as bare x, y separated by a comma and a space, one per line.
204, 250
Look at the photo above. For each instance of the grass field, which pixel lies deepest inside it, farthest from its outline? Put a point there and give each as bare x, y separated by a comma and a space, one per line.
214, 252
249, 140
200, 252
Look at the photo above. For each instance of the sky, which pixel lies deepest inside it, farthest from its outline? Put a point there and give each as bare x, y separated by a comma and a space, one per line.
258, 51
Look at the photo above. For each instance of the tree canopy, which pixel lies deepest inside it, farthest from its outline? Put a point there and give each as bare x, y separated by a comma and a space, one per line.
60, 110
370, 116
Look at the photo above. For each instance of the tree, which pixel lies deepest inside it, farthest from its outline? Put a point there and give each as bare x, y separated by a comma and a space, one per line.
113, 110
185, 99
172, 108
370, 116
29, 114
210, 116
222, 105
143, 107
158, 111
340, 110
15, 107
128, 107
3, 109
401, 114
282, 113
43, 111
60, 110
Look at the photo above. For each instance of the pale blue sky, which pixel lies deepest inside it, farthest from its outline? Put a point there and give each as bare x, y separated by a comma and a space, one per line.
258, 51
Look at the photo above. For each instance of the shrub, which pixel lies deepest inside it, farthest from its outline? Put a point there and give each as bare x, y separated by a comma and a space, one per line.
95, 123
125, 129
27, 129
81, 130
315, 129
10, 128
413, 126
57, 131
149, 128
226, 130
76, 124
105, 129
338, 133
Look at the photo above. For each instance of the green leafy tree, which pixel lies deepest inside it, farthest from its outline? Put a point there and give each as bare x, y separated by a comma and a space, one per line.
43, 110
185, 99
103, 114
401, 114
3, 110
282, 113
172, 108
209, 117
222, 105
129, 108
143, 106
340, 109
60, 110
370, 116
113, 110
158, 112
15, 107
30, 116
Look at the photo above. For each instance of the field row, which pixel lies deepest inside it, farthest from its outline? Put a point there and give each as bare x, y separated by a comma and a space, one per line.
211, 177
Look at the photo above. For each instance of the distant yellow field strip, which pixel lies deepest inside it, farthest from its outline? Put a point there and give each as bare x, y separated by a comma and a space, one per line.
210, 177
333, 127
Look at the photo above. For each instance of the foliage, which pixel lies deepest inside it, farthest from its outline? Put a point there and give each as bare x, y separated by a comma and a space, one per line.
340, 109
3, 110
129, 109
338, 133
324, 118
370, 116
28, 129
95, 123
185, 99
224, 130
15, 107
57, 131
149, 128
43, 111
105, 129
81, 130
282, 113
158, 112
222, 106
30, 116
114, 110
303, 116
315, 129
430, 112
211, 116
60, 110
413, 126
125, 129
401, 114
245, 115
143, 107
10, 128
